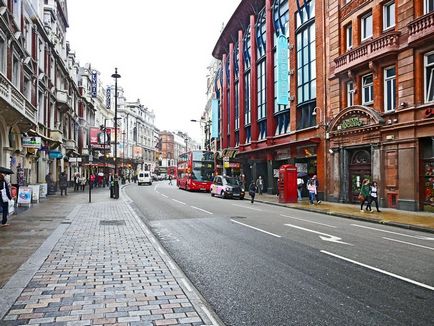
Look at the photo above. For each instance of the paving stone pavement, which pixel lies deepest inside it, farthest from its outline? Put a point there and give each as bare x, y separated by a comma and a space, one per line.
107, 269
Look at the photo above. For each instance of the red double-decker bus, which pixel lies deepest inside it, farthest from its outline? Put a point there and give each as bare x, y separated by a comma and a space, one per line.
195, 170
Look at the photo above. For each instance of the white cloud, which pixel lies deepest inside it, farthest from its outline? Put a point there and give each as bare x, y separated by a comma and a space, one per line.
161, 50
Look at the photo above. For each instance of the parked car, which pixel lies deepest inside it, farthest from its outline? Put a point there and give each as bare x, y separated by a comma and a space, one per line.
144, 177
227, 187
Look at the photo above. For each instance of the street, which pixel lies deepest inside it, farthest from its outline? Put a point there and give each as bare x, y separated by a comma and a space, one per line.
259, 264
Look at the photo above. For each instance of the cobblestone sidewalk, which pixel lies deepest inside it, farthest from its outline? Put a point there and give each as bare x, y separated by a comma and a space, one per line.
107, 269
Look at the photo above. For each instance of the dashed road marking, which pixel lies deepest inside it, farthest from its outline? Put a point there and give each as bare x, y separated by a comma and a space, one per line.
257, 229
180, 202
200, 209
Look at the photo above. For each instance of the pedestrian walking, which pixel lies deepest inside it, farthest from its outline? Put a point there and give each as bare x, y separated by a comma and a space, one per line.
316, 183
76, 182
373, 196
170, 179
5, 198
252, 191
260, 185
300, 184
311, 187
50, 186
63, 183
364, 196
83, 182
92, 180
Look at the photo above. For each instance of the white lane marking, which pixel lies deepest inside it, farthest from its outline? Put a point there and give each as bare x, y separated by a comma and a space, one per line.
201, 210
409, 243
179, 201
401, 234
189, 289
260, 230
253, 209
300, 219
381, 271
323, 236
164, 195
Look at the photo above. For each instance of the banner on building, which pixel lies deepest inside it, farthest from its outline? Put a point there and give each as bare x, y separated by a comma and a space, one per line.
31, 142
100, 139
94, 83
138, 152
108, 98
282, 70
215, 118
55, 154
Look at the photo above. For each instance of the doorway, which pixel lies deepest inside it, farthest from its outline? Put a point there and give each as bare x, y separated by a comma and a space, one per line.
360, 169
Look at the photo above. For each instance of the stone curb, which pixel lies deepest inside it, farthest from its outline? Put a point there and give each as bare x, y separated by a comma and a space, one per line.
197, 300
359, 218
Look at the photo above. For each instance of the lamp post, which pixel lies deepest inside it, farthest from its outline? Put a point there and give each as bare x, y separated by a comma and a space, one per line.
116, 183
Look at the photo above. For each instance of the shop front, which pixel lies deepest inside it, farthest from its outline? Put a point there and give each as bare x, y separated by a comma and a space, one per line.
427, 174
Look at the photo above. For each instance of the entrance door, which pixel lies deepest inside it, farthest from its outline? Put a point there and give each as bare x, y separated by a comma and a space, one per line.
360, 169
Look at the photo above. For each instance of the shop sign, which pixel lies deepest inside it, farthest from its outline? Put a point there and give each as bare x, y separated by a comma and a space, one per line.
231, 165
55, 154
282, 70
108, 98
75, 159
100, 139
282, 154
351, 123
31, 142
94, 83
25, 195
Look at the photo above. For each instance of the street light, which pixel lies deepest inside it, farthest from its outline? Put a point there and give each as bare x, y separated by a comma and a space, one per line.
116, 184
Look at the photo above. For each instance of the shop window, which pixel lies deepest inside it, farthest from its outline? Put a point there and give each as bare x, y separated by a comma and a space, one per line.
389, 15
389, 89
366, 24
367, 89
429, 77
428, 6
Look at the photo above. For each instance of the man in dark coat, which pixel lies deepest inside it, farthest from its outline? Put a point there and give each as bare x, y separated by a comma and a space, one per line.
63, 183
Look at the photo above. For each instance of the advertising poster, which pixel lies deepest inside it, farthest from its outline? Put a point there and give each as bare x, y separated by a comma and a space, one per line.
25, 196
100, 139
43, 190
35, 193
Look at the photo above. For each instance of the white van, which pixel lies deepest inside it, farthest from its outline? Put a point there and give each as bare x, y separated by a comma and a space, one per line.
144, 177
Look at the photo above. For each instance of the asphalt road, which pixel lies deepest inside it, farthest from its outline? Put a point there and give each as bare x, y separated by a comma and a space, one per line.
258, 264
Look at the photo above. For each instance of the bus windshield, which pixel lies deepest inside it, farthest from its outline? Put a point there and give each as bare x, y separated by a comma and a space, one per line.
202, 171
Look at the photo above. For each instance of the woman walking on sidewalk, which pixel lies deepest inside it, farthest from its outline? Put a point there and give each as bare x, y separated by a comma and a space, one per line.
364, 196
252, 191
373, 196
5, 197
311, 187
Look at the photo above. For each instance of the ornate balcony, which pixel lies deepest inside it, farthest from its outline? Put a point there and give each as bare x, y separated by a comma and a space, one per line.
63, 101
56, 135
421, 28
368, 51
17, 106
70, 145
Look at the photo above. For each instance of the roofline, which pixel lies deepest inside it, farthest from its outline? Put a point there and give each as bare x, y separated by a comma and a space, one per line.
239, 20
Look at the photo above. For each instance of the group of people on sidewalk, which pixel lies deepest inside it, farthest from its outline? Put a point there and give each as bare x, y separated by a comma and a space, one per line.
368, 194
312, 188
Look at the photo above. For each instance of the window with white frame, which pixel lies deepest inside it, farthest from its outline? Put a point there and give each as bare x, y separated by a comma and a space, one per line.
428, 6
16, 69
2, 54
367, 89
388, 15
41, 56
350, 93
389, 89
429, 77
366, 24
27, 87
349, 37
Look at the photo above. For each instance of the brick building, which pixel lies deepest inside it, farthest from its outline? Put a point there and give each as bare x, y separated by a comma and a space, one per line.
380, 108
256, 131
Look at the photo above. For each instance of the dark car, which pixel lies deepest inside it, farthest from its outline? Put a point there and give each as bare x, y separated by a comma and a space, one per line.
227, 187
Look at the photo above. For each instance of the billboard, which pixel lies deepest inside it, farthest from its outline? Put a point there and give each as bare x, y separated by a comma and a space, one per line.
100, 139
94, 83
138, 152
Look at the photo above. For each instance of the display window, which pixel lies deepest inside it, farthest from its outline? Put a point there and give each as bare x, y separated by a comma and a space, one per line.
428, 187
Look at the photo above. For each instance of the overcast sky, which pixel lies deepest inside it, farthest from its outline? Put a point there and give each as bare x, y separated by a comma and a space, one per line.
161, 49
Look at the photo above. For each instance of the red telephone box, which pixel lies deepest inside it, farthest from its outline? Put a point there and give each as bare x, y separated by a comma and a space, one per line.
287, 184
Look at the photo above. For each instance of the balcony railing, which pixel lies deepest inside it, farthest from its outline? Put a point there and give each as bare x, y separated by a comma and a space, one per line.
70, 145
420, 28
368, 51
64, 101
16, 100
